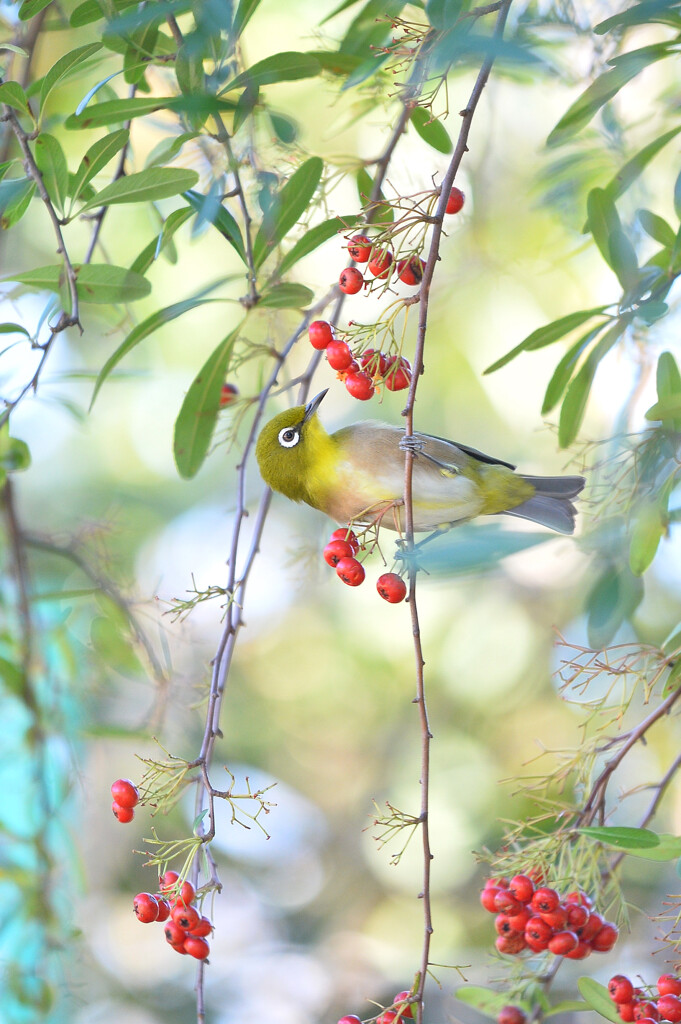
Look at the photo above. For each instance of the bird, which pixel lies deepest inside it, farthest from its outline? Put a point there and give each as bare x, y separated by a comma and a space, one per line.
356, 476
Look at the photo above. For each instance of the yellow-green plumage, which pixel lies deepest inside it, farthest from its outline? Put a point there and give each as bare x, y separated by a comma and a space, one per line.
357, 473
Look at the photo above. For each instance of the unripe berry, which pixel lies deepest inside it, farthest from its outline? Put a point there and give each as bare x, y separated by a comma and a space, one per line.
145, 907
410, 271
522, 888
196, 947
320, 334
563, 942
670, 1007
620, 989
186, 917
350, 571
123, 814
392, 588
338, 355
669, 985
344, 533
350, 281
359, 385
379, 264
228, 392
544, 900
359, 248
335, 550
510, 1015
455, 201
125, 793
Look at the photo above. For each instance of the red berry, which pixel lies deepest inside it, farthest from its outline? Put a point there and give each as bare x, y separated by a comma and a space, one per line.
335, 550
563, 942
397, 374
350, 571
455, 201
646, 1020
186, 917
338, 355
393, 589
544, 900
538, 932
125, 793
580, 952
505, 902
359, 385
168, 881
646, 1009
410, 271
359, 248
577, 916
556, 919
605, 939
669, 985
145, 907
487, 897
502, 924
124, 814
196, 947
522, 888
178, 948
349, 1018
345, 533
620, 989
669, 1006
513, 943
387, 1017
510, 1015
174, 934
404, 1008
228, 392
626, 1012
320, 334
579, 898
496, 883
375, 363
187, 894
350, 281
203, 928
163, 909
519, 921
379, 264
593, 925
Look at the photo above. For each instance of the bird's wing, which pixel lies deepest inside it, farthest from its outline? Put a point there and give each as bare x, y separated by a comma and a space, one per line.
453, 456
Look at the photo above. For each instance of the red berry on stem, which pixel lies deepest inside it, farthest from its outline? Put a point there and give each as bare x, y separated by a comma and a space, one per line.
379, 264
626, 1011
503, 925
228, 392
404, 1007
487, 897
168, 881
360, 248
203, 928
359, 385
387, 1017
196, 947
145, 907
521, 888
538, 932
320, 334
186, 917
505, 902
669, 985
620, 989
410, 271
669, 1006
511, 944
345, 533
495, 883
350, 571
519, 921
580, 952
187, 894
646, 1009
605, 939
335, 550
338, 355
455, 201
577, 916
397, 374
563, 942
163, 909
349, 1018
375, 363
393, 589
350, 281
556, 919
544, 900
593, 925
580, 898
510, 1015
174, 933
125, 793
124, 814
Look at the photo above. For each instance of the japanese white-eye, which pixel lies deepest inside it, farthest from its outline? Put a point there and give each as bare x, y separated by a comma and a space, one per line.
356, 475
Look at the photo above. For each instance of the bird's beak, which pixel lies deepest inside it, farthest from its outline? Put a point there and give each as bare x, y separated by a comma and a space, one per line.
311, 407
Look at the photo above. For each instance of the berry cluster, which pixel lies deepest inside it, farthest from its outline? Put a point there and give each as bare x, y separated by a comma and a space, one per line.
540, 919
184, 927
340, 553
361, 372
633, 1004
400, 1010
125, 798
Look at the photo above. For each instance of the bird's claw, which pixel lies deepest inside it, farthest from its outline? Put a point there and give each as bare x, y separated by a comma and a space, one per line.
412, 444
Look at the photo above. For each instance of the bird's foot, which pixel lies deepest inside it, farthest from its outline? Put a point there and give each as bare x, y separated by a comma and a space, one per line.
412, 444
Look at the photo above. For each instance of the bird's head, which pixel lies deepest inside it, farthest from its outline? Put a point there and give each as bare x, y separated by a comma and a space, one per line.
288, 448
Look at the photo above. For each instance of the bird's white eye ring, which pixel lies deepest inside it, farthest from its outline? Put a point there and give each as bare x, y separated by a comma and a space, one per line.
289, 437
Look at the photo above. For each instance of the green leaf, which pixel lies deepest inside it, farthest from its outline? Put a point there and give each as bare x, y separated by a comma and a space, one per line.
336, 63
289, 66
64, 68
601, 90
189, 69
621, 837
603, 220
157, 245
665, 409
285, 128
220, 218
315, 237
613, 598
376, 213
471, 549
443, 14
196, 420
484, 1000
640, 13
576, 397
567, 1006
598, 998
167, 148
672, 643
15, 195
673, 680
547, 335
117, 111
97, 157
51, 162
371, 27
656, 227
287, 209
634, 167
13, 48
14, 96
30, 8
243, 15
12, 676
343, 6
669, 383
565, 368
648, 527
112, 644
145, 186
91, 11
432, 131
15, 454
97, 282
677, 196
13, 329
142, 331
669, 846
287, 296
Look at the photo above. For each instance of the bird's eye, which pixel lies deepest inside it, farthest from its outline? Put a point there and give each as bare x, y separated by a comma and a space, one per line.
289, 437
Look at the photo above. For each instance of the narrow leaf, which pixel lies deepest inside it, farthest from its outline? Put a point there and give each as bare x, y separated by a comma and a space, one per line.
289, 66
547, 335
613, 598
30, 8
648, 528
97, 157
574, 404
677, 196
621, 837
196, 420
94, 90
598, 998
91, 11
14, 49
15, 197
665, 409
603, 220
484, 1000
287, 296
14, 96
142, 331
669, 847
669, 382
673, 681
117, 111
315, 237
156, 246
243, 15
51, 162
65, 67
567, 1006
432, 131
376, 212
565, 368
221, 218
13, 329
97, 282
144, 186
657, 228
634, 167
288, 207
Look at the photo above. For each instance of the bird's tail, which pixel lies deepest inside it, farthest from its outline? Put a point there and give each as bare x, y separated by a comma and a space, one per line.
550, 505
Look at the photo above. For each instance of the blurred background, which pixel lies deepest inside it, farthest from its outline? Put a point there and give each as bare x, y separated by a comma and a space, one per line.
314, 921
